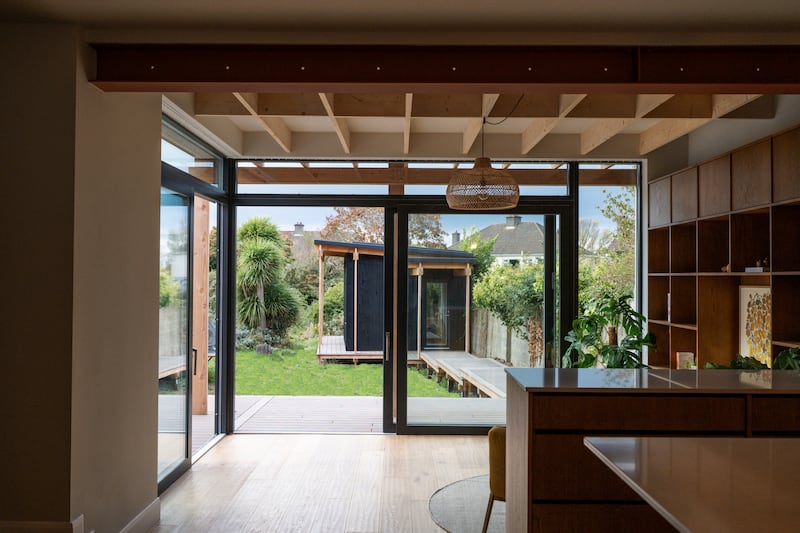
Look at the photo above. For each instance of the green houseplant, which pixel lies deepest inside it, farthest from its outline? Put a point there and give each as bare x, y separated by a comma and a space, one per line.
788, 359
594, 335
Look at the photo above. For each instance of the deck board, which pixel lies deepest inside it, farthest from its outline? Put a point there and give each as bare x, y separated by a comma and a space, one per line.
332, 348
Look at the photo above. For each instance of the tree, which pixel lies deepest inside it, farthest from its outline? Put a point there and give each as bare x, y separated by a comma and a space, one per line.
365, 224
265, 299
425, 230
168, 288
610, 271
481, 249
512, 293
354, 224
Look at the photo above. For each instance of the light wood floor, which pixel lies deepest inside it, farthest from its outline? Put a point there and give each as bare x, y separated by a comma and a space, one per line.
324, 483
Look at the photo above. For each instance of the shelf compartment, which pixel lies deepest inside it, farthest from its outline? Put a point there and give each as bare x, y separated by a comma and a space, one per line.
785, 316
681, 340
660, 355
712, 244
657, 298
683, 253
749, 238
658, 250
683, 301
717, 319
785, 238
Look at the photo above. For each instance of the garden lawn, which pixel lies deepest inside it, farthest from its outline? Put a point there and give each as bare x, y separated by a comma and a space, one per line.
295, 372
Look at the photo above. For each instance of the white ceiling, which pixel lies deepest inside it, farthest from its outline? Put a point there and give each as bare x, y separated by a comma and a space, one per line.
420, 15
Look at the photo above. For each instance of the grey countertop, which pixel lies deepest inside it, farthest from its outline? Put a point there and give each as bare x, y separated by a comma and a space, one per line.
649, 380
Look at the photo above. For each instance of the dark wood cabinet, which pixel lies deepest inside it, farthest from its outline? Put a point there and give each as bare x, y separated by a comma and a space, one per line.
554, 483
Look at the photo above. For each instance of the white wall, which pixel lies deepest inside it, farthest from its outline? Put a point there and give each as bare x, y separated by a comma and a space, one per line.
115, 329
80, 309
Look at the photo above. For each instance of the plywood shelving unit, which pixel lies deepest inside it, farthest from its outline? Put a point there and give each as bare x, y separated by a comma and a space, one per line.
707, 224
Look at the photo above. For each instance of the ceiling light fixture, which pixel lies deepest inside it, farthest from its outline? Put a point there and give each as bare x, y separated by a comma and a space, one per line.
482, 187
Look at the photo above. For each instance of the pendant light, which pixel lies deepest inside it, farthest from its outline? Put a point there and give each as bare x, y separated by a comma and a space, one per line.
482, 188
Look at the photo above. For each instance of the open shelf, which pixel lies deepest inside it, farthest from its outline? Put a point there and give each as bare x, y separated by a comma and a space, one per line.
658, 298
658, 250
683, 304
749, 238
683, 253
786, 238
717, 319
681, 340
660, 355
712, 241
738, 210
785, 314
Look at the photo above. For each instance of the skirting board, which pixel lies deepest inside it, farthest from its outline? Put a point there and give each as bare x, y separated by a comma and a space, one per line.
142, 522
76, 526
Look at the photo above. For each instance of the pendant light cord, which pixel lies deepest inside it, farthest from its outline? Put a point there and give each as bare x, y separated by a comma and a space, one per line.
507, 116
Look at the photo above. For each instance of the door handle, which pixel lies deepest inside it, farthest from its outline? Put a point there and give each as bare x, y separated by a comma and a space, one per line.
387, 343
194, 366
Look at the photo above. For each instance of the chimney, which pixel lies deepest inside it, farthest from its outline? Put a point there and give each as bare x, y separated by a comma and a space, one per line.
512, 221
298, 229
456, 238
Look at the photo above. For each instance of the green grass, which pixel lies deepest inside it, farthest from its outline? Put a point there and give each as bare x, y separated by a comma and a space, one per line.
295, 372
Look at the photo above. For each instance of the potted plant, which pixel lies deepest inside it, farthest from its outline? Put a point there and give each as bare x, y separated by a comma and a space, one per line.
594, 337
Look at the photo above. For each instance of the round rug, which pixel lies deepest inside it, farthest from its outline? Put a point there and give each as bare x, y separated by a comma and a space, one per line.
460, 507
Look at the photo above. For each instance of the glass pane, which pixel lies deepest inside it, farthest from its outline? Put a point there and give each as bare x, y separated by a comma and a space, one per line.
475, 307
313, 177
309, 338
607, 200
173, 331
189, 156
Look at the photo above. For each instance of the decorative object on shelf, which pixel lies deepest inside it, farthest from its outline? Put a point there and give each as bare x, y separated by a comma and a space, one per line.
593, 337
726, 268
482, 187
686, 360
755, 322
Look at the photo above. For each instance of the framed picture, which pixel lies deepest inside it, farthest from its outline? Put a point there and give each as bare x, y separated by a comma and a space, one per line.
755, 322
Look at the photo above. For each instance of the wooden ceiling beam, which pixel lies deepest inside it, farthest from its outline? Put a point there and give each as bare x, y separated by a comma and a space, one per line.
475, 125
540, 127
602, 130
274, 126
667, 130
399, 69
339, 124
407, 123
218, 104
414, 176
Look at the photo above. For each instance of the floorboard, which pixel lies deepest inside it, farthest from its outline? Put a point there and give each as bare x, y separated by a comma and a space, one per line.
325, 483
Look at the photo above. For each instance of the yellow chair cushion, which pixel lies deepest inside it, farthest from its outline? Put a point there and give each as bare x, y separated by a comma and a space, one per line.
497, 462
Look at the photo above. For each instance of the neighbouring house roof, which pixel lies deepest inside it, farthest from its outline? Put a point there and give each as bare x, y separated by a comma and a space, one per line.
526, 238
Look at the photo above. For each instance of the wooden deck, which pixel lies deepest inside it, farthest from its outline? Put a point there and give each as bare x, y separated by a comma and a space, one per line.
467, 374
332, 348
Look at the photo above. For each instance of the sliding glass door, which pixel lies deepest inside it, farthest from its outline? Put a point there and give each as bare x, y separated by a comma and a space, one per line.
480, 301
174, 330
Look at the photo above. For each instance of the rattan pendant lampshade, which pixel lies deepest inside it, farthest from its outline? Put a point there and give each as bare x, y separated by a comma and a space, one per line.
482, 188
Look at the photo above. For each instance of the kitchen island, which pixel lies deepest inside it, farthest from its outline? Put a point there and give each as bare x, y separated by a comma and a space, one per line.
554, 483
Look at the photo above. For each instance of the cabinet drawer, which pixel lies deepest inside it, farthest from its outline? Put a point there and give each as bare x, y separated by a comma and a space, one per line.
776, 414
638, 412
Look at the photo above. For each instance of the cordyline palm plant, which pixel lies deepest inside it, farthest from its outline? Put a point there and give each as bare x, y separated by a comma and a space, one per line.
265, 300
594, 336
